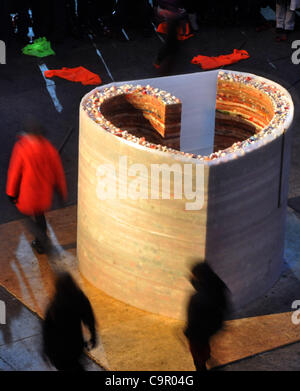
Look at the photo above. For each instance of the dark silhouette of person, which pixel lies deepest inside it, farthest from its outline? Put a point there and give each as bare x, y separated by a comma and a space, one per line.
63, 341
35, 171
173, 13
206, 310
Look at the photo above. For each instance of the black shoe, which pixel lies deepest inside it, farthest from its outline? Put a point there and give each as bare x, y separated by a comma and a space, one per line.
36, 245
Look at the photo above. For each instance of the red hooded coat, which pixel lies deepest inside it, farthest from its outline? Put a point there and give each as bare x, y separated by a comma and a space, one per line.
35, 170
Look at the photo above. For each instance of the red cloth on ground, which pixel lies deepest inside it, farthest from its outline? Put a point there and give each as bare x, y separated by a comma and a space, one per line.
35, 169
79, 74
216, 62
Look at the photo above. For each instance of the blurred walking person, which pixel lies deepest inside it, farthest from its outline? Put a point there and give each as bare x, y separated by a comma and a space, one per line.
285, 18
173, 13
35, 171
63, 341
206, 311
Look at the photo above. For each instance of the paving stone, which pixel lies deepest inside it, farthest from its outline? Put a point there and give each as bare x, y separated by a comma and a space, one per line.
4, 366
20, 322
282, 359
294, 203
24, 355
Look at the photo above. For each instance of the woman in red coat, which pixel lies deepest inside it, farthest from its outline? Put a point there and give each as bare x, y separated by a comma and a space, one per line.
35, 171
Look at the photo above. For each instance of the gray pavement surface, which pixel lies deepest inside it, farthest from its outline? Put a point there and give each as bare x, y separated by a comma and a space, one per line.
24, 90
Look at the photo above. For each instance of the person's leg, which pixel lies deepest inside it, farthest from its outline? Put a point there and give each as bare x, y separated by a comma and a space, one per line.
285, 20
38, 227
68, 365
280, 15
170, 47
200, 353
42, 225
75, 366
66, 362
193, 21
190, 7
289, 22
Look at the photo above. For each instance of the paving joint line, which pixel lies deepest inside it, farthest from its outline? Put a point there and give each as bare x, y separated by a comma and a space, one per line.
7, 363
161, 38
19, 340
256, 354
101, 57
51, 87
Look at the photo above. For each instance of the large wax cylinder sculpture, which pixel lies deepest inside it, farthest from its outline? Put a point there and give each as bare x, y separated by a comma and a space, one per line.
138, 249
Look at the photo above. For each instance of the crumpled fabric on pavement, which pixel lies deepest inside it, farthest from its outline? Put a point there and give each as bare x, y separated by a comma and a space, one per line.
207, 62
78, 74
39, 48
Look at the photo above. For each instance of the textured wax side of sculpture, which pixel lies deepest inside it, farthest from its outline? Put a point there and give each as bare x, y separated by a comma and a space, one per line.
138, 250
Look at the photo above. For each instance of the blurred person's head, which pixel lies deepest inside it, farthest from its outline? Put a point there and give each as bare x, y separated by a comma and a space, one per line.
66, 291
206, 282
65, 283
33, 126
202, 276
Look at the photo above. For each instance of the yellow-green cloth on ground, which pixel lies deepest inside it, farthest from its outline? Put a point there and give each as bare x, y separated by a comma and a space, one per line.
39, 48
